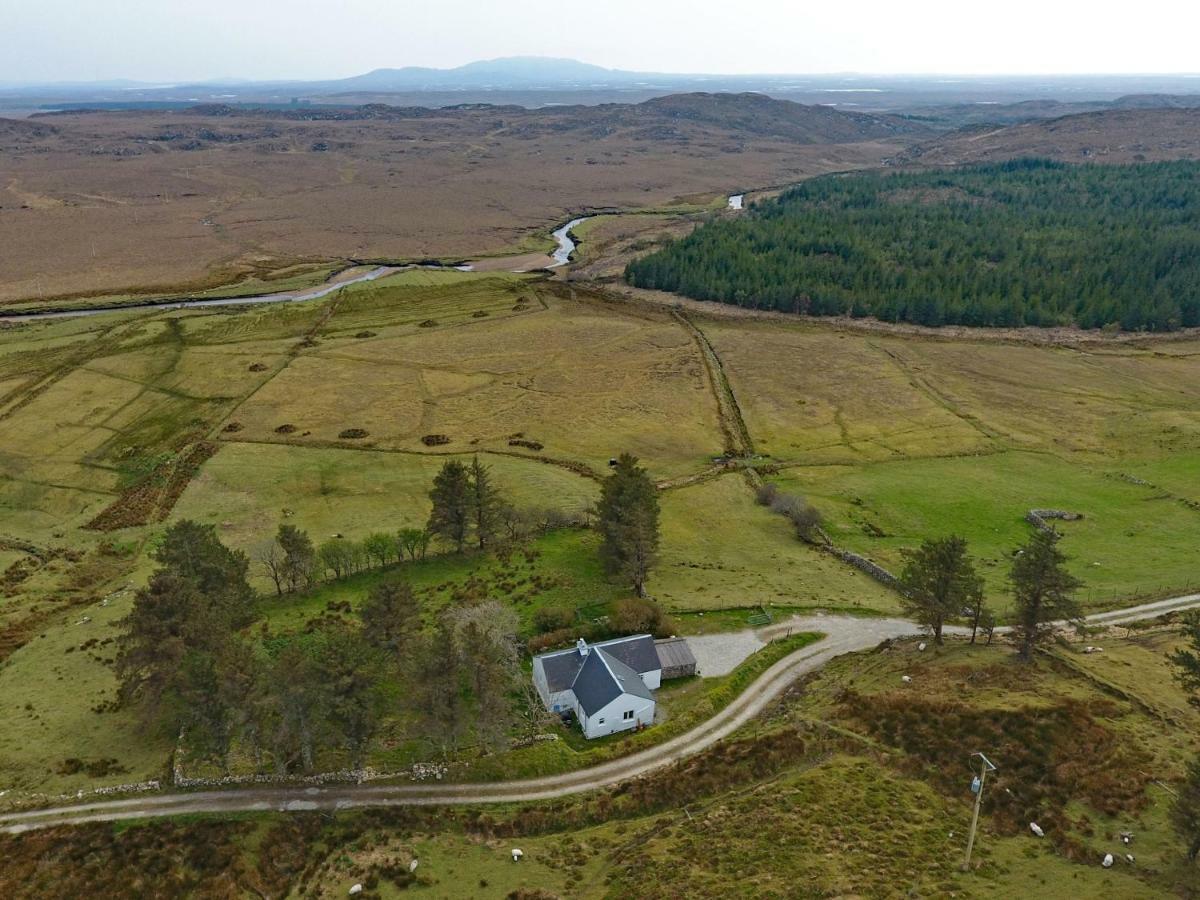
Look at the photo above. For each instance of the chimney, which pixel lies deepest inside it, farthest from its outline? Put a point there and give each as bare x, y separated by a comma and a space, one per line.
582, 647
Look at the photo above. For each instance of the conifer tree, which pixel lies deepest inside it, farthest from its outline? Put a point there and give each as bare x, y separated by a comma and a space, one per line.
450, 518
628, 523
1043, 590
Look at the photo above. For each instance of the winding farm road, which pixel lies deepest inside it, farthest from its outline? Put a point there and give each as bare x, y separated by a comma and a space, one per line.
844, 634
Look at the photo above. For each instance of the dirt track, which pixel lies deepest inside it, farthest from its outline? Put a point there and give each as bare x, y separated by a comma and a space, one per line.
843, 635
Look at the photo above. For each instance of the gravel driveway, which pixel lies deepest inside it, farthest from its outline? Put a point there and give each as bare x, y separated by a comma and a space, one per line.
720, 654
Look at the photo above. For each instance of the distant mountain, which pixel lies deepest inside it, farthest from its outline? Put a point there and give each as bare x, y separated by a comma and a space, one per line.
514, 72
535, 81
1114, 135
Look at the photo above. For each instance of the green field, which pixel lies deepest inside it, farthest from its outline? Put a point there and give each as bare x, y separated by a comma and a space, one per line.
1132, 539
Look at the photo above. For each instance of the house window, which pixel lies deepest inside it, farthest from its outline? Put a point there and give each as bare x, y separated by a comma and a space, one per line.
628, 714
602, 721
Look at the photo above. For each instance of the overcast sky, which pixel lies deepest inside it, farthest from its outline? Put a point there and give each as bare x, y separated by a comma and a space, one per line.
175, 40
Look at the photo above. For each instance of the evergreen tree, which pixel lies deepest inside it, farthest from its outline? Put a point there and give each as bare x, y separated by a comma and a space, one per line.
180, 634
1043, 590
1026, 242
1185, 810
299, 557
939, 581
439, 691
450, 518
628, 523
486, 504
1187, 660
391, 618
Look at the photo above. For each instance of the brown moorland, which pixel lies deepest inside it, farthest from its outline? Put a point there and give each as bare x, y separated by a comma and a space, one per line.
145, 202
1110, 136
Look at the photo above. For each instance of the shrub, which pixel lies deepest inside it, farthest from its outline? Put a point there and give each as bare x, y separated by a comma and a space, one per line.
804, 518
553, 618
766, 494
636, 615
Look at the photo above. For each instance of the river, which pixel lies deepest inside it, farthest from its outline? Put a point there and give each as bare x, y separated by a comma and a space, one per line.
560, 257
566, 244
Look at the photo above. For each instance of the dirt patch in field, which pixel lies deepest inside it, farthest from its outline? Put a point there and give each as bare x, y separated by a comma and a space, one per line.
352, 433
152, 498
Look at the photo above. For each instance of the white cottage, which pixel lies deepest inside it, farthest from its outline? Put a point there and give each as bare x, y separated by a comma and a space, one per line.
607, 685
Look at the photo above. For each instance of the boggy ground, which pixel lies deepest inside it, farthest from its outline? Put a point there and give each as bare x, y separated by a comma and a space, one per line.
118, 203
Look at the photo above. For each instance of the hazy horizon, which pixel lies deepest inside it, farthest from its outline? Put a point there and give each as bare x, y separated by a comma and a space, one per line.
171, 42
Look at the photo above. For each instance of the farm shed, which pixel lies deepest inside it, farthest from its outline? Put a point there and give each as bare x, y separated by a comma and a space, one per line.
675, 657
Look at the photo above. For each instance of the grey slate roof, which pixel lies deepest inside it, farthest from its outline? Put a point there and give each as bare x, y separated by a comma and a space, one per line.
603, 678
637, 652
561, 668
594, 687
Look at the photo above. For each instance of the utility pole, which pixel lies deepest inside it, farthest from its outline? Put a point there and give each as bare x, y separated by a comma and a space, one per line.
985, 767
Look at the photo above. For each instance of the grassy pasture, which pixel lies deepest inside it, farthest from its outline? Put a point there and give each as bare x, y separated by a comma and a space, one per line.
721, 550
1131, 540
826, 397
245, 489
584, 381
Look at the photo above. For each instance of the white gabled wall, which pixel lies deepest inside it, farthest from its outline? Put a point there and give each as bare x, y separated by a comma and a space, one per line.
652, 679
613, 716
562, 699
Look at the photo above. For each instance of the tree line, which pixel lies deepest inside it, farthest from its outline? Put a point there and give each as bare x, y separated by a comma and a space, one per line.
468, 510
1025, 242
939, 582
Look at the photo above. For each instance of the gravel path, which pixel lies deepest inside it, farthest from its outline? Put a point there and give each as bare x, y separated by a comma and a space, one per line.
842, 635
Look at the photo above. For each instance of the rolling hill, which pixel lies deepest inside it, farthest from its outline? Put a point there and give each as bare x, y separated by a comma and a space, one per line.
1123, 135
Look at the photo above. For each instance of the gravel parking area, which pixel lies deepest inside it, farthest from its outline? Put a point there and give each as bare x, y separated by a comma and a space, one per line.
720, 654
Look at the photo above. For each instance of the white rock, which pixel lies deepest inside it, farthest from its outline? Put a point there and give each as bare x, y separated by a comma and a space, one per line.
355, 889
1107, 861
412, 866
907, 679
1129, 858
1036, 829
921, 646
517, 854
